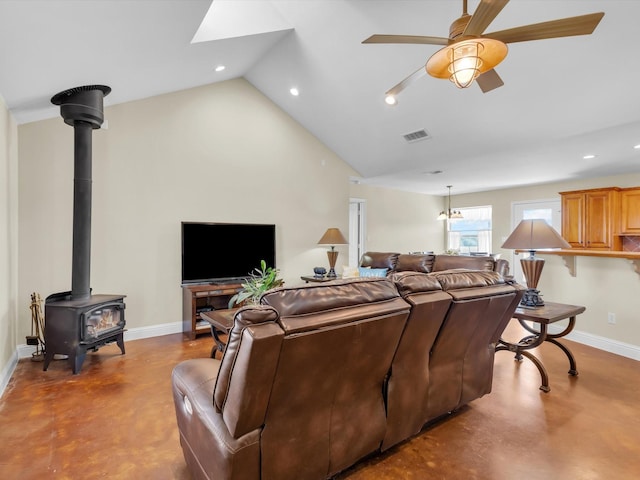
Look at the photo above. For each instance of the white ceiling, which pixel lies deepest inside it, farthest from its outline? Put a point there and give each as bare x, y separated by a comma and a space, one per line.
563, 98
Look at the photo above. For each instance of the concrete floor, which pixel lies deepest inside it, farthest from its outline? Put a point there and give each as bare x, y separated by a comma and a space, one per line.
116, 420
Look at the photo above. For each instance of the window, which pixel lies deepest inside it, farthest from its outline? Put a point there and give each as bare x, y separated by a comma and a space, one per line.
472, 233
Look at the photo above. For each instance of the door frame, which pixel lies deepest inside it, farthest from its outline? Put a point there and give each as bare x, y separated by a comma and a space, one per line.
357, 229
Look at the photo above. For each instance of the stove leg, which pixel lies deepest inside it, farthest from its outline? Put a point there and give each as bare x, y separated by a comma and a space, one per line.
76, 360
47, 359
120, 342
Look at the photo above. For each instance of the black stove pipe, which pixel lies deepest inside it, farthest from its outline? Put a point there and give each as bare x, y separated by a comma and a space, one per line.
82, 108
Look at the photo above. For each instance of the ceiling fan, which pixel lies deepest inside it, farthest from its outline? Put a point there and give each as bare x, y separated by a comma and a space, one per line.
469, 54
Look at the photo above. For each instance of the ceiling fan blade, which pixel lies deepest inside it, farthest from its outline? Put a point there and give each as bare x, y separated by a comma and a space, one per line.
417, 39
489, 80
407, 81
483, 16
564, 27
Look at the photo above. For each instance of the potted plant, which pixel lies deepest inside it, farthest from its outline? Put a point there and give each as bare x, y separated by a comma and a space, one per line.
259, 281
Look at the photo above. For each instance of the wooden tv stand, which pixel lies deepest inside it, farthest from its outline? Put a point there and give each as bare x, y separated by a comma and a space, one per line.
199, 298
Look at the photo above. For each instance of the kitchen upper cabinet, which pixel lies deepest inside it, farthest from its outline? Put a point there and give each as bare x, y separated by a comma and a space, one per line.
590, 218
630, 211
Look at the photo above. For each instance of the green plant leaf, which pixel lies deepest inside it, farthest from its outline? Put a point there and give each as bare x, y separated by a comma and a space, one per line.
260, 280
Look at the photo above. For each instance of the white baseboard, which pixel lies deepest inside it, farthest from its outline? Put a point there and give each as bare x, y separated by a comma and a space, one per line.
153, 331
25, 351
602, 343
7, 371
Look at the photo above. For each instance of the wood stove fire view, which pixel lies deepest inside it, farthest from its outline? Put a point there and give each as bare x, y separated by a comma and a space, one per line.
77, 321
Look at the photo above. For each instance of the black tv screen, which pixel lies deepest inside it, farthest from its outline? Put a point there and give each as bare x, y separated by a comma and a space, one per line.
225, 251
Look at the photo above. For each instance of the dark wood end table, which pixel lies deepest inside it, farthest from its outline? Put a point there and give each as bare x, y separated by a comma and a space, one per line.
221, 322
314, 279
548, 313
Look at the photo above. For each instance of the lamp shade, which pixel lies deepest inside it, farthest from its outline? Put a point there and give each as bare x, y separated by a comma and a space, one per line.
333, 236
534, 234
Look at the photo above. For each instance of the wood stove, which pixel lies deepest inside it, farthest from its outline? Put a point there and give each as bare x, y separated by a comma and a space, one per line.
74, 327
77, 321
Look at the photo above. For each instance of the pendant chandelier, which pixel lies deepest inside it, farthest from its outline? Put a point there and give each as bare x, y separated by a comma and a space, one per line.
446, 214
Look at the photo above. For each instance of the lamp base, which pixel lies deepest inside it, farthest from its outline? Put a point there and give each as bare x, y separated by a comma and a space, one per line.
333, 256
531, 298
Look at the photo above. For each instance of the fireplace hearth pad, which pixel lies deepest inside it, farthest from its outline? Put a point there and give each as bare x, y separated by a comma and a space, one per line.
73, 327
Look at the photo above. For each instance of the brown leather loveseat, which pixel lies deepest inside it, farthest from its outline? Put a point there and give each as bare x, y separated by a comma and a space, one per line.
319, 376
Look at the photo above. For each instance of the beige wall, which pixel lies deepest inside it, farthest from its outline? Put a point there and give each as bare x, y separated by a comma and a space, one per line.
224, 152
218, 153
602, 285
400, 221
8, 237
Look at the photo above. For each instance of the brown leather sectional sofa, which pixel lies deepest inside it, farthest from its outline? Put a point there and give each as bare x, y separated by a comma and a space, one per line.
428, 262
319, 376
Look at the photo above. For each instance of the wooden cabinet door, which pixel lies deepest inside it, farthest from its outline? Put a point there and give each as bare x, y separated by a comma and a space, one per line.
598, 224
630, 206
573, 215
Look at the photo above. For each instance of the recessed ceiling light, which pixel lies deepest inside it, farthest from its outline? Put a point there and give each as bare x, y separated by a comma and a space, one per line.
589, 157
637, 147
220, 68
390, 100
294, 91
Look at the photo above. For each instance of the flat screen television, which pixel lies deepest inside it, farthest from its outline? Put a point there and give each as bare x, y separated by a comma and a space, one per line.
219, 252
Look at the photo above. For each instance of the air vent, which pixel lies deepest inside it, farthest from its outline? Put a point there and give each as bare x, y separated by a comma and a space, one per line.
417, 136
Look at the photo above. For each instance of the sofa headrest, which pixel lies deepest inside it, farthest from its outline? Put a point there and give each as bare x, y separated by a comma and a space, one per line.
415, 263
415, 282
314, 306
448, 262
253, 314
463, 278
386, 260
319, 297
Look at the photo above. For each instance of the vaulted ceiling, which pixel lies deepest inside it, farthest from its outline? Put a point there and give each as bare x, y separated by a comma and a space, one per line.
562, 99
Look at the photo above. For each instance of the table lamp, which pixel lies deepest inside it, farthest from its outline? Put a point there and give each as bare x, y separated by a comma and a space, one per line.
533, 235
333, 237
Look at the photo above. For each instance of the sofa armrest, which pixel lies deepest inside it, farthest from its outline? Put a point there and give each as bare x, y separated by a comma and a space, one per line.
211, 452
249, 384
502, 267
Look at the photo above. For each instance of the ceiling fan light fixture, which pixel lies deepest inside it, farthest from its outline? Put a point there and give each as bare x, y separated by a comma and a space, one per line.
463, 61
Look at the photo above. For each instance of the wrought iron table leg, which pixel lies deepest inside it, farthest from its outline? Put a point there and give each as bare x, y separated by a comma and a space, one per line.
543, 372
573, 370
539, 334
526, 343
218, 345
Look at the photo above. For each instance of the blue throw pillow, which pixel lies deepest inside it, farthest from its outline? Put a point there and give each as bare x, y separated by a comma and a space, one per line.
373, 272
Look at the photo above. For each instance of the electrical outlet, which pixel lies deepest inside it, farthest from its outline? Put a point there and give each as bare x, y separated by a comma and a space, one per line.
611, 318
